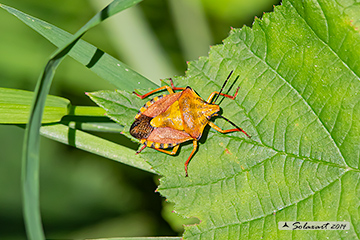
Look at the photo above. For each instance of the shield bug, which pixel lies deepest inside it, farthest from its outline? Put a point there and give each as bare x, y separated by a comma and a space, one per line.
168, 120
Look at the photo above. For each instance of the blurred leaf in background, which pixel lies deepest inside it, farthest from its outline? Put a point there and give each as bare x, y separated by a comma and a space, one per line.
83, 195
234, 13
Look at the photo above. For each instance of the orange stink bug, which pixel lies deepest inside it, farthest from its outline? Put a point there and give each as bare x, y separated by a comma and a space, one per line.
168, 120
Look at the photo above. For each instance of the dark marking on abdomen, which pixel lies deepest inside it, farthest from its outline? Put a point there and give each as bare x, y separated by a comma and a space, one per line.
141, 127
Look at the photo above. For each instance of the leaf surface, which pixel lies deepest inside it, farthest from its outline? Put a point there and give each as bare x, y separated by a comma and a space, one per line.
299, 98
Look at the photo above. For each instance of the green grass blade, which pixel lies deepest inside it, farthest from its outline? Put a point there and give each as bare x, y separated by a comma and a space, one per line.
90, 119
30, 157
30, 170
96, 145
87, 111
15, 107
86, 125
101, 63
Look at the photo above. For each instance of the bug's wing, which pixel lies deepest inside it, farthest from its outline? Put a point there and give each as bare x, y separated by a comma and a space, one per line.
195, 112
158, 105
168, 136
170, 118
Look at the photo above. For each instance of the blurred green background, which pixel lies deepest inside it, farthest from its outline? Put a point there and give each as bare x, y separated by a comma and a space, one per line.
83, 195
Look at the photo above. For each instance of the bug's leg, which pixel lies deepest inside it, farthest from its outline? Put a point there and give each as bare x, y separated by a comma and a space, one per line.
142, 148
222, 94
173, 152
173, 87
228, 130
191, 154
153, 91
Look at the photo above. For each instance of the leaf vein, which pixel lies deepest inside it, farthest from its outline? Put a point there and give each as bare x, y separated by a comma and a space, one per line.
306, 103
272, 212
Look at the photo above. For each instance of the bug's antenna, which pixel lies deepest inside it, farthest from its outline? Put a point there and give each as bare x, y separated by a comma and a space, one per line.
234, 125
223, 85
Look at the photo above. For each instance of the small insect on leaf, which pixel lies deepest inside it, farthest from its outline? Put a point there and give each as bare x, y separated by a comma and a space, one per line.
168, 120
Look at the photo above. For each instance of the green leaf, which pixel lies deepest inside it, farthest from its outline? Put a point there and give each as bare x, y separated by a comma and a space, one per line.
15, 107
299, 98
